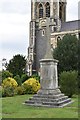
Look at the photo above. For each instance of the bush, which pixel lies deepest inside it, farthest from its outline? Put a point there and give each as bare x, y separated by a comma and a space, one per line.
8, 87
31, 86
20, 90
6, 74
24, 77
8, 91
9, 82
68, 82
18, 79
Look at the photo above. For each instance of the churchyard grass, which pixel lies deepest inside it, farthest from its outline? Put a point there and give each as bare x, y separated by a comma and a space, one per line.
13, 107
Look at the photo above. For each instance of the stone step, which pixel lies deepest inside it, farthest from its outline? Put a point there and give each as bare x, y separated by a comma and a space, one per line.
64, 101
57, 103
50, 106
40, 105
48, 99
60, 103
48, 96
62, 98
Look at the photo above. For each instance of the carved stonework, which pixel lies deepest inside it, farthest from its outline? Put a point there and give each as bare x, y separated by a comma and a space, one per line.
40, 11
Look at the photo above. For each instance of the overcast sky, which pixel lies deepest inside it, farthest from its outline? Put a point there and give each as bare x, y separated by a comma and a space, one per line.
14, 25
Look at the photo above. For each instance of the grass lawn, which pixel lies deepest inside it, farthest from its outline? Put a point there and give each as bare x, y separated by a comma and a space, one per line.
12, 107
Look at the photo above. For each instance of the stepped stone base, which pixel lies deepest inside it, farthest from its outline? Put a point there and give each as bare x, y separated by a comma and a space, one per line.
49, 98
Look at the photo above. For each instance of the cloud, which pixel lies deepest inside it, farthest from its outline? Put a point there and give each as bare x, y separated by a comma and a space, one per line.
14, 24
15, 6
10, 48
14, 34
14, 28
72, 10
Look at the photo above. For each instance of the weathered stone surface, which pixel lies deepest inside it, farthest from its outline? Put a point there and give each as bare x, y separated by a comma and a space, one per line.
49, 95
48, 76
57, 99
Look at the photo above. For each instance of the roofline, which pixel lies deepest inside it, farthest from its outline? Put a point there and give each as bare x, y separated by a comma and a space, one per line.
71, 21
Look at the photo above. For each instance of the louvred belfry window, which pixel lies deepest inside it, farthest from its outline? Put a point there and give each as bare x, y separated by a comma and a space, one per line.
40, 11
47, 10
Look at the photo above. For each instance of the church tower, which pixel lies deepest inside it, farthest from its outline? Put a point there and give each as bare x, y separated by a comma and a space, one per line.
48, 8
41, 10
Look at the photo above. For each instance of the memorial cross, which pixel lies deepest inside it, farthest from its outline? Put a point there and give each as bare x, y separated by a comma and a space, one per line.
48, 54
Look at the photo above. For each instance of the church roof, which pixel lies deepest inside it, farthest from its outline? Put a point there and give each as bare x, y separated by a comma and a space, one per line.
70, 25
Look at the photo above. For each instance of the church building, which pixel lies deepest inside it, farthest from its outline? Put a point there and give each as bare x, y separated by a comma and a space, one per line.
43, 12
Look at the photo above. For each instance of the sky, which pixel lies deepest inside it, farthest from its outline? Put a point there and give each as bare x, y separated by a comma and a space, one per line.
15, 16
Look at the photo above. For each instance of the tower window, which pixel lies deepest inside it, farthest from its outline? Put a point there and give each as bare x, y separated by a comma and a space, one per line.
40, 11
60, 12
47, 9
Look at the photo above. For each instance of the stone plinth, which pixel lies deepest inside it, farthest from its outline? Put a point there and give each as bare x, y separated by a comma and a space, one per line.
49, 95
48, 76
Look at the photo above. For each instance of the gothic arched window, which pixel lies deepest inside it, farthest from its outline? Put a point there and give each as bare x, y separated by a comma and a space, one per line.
47, 9
58, 38
40, 11
60, 11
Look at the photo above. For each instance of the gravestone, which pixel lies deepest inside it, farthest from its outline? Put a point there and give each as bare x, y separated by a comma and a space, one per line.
49, 95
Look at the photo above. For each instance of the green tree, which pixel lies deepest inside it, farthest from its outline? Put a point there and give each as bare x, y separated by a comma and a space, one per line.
6, 74
18, 79
17, 65
24, 77
67, 53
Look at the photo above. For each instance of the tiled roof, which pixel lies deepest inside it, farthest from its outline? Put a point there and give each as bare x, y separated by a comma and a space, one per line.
70, 25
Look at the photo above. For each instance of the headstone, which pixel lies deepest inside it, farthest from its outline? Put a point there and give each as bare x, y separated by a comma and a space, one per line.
49, 95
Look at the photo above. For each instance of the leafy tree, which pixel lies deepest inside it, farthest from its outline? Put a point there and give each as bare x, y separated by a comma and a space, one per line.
6, 74
24, 77
67, 53
79, 63
18, 79
17, 65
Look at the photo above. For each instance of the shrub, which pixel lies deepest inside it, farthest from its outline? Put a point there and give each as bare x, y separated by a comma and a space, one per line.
18, 79
31, 86
24, 77
7, 91
68, 82
9, 82
8, 87
6, 74
20, 90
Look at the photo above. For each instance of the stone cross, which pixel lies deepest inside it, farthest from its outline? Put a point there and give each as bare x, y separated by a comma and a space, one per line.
49, 95
48, 54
